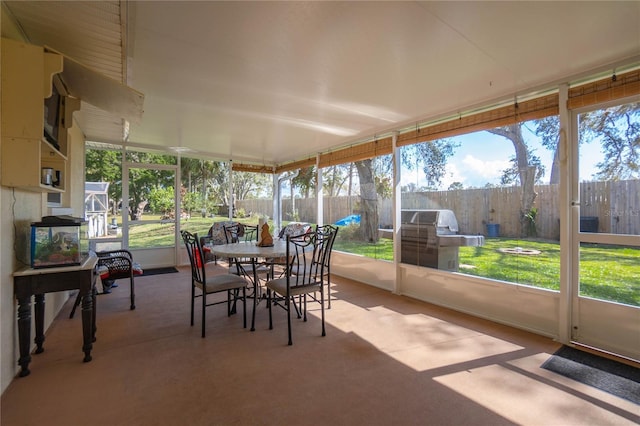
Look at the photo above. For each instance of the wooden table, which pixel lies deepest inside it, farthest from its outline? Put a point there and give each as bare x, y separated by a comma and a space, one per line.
29, 282
249, 249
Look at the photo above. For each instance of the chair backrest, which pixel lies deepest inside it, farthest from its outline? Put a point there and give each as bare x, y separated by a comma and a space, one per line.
216, 234
238, 232
118, 262
307, 253
196, 256
294, 228
329, 232
251, 232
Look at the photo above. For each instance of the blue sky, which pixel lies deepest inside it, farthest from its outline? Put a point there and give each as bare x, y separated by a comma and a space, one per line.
482, 156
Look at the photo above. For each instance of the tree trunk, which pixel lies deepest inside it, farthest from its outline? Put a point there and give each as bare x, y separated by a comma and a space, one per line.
526, 172
368, 201
555, 166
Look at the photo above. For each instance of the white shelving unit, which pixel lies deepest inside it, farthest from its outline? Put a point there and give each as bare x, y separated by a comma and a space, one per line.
28, 73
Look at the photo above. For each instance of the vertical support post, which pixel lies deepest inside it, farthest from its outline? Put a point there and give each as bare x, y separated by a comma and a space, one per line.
277, 204
125, 198
395, 214
319, 197
568, 198
232, 201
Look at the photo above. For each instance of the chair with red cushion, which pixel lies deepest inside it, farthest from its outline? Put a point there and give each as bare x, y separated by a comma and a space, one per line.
204, 286
114, 265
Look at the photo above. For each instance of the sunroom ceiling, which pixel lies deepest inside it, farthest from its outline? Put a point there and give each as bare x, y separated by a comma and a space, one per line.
273, 82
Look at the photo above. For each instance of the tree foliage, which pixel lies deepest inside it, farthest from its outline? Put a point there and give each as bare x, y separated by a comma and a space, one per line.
105, 166
335, 178
511, 175
433, 157
618, 129
305, 181
161, 200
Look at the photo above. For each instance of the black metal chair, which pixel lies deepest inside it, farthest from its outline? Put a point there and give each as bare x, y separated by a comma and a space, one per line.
244, 266
328, 231
304, 276
114, 265
229, 283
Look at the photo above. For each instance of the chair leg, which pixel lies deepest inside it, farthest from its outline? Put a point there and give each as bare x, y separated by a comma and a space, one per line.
269, 306
244, 307
322, 309
193, 297
305, 307
288, 305
236, 295
133, 295
298, 306
329, 285
204, 309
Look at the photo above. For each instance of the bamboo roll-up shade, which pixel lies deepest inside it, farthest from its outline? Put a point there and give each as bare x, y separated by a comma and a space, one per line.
605, 90
301, 164
254, 168
527, 110
356, 152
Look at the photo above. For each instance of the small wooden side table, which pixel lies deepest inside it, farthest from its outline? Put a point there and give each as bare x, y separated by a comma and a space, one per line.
29, 282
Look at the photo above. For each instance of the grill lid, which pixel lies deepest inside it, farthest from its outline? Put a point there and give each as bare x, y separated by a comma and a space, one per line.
444, 220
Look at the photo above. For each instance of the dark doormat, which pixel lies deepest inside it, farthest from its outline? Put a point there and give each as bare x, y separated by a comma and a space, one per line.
158, 271
614, 377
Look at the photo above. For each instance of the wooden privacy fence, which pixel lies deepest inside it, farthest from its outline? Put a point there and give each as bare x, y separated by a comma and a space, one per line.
611, 206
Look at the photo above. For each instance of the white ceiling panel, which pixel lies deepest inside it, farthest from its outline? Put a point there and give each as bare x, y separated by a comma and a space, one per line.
272, 82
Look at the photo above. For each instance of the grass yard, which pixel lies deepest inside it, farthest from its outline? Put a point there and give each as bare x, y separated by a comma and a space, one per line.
607, 272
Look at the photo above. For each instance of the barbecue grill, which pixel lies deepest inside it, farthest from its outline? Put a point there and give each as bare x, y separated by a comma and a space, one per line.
430, 238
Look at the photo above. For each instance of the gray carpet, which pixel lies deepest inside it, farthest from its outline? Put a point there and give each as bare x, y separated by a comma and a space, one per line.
605, 374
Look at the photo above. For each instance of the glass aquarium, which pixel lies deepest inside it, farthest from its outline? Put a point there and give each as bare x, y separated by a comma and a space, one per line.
58, 241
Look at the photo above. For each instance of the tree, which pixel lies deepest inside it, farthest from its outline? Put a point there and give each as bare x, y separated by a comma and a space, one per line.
142, 180
334, 178
618, 129
249, 185
547, 129
305, 181
190, 200
433, 156
190, 168
161, 200
373, 178
512, 174
245, 184
105, 166
526, 170
368, 201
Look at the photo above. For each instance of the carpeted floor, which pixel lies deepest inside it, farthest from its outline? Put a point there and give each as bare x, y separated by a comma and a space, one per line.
617, 378
385, 360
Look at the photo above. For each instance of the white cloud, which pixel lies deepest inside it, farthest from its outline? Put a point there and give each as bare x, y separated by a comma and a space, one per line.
470, 171
452, 174
486, 169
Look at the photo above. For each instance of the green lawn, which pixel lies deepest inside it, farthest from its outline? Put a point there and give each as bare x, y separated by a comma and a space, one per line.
607, 272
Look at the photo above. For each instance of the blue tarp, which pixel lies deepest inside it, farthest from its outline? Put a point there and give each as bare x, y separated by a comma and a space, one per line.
348, 220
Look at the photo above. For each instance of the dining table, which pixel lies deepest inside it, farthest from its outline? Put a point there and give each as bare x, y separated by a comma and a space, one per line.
250, 250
